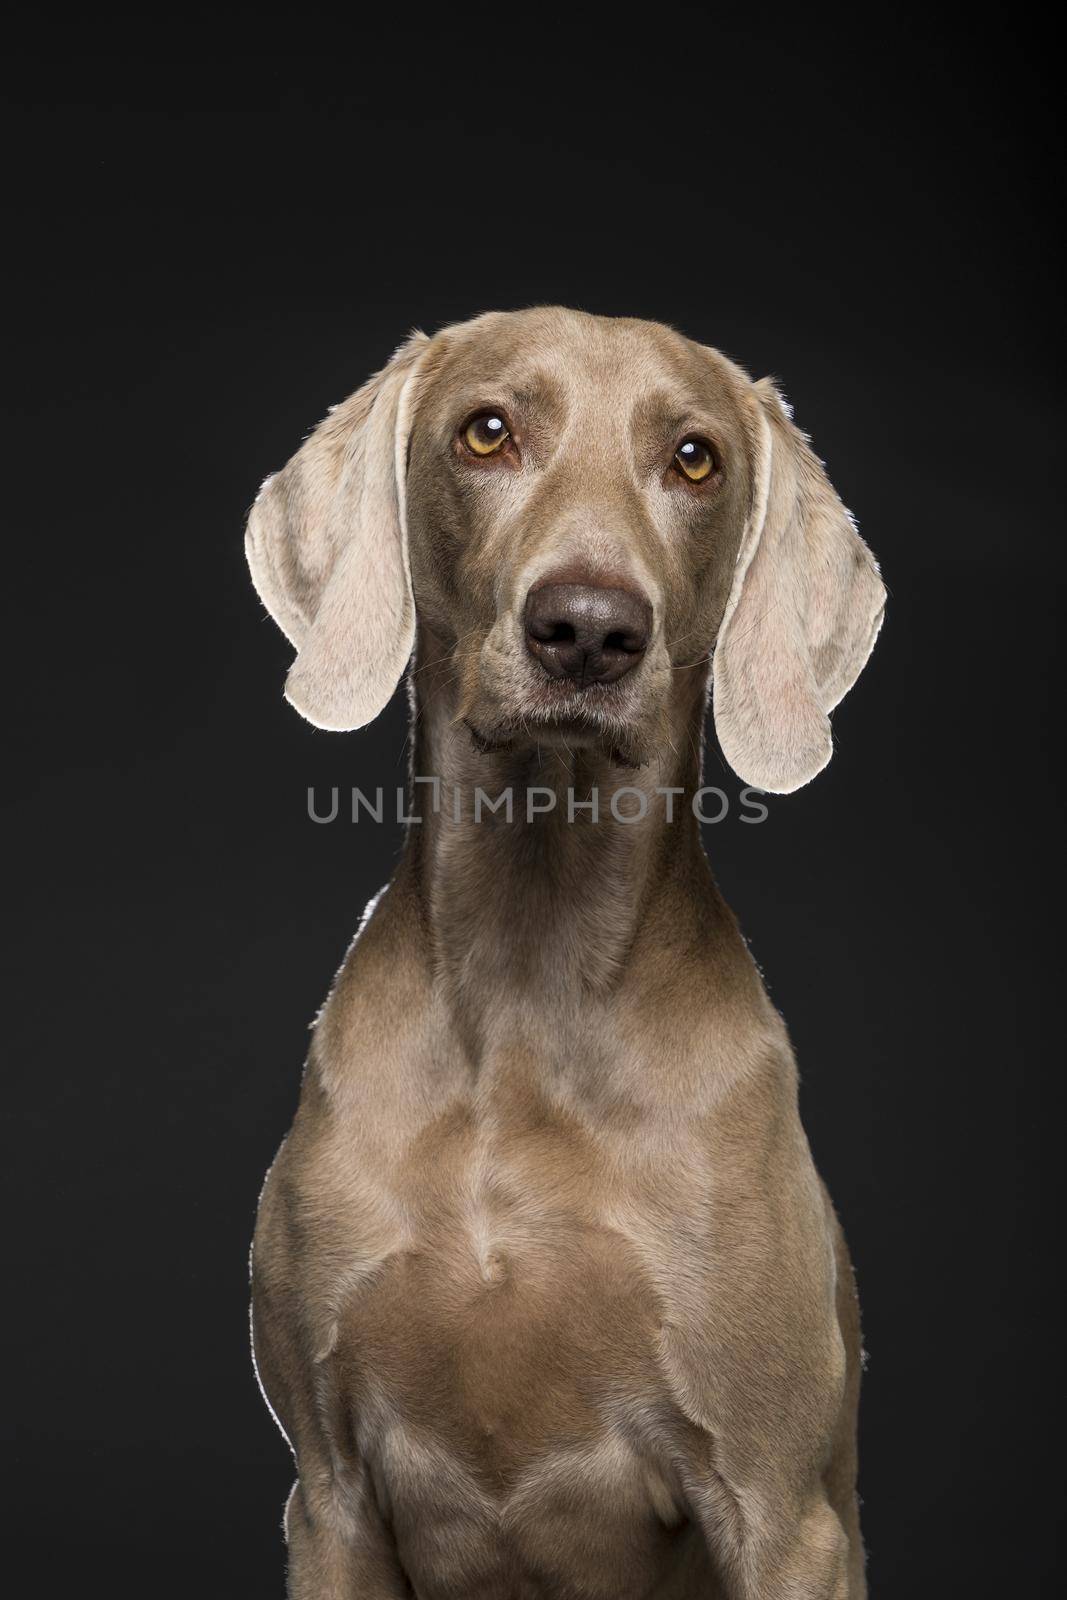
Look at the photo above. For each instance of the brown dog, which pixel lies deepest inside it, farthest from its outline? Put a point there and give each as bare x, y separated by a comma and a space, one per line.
547, 1295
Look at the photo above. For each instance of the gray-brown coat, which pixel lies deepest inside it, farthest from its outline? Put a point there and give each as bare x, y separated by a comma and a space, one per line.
547, 1295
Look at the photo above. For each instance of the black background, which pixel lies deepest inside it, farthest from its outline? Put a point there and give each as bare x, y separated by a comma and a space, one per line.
211, 242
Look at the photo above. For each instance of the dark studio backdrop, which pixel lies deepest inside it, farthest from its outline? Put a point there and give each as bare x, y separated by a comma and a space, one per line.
209, 243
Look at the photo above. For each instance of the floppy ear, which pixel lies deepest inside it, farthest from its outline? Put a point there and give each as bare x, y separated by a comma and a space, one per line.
802, 616
327, 545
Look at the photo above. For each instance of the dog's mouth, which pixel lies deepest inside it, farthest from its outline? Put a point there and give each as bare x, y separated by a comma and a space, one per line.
563, 719
561, 734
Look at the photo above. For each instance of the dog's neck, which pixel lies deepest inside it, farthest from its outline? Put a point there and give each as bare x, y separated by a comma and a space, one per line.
542, 910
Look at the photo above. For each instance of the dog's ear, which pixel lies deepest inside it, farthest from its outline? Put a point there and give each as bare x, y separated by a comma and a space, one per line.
802, 617
327, 545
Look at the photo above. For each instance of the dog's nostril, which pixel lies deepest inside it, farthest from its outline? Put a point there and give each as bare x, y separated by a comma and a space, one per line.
552, 632
629, 642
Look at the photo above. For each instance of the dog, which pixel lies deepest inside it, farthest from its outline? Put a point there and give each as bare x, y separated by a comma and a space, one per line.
547, 1295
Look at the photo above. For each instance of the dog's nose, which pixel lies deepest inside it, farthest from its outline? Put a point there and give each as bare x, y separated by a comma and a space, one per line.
585, 633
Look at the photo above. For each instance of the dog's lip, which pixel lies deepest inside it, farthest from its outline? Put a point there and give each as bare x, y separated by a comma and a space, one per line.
594, 713
559, 732
571, 723
534, 728
556, 711
561, 697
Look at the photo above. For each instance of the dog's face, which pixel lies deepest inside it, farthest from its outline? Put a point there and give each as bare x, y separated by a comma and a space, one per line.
577, 490
580, 509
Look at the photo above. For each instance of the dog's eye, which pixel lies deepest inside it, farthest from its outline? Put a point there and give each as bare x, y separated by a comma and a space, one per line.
695, 460
485, 434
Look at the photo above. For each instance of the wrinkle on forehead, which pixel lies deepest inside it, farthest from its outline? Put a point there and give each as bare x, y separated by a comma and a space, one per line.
606, 377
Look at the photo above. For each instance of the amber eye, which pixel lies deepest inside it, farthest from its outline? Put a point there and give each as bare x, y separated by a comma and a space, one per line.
485, 434
695, 460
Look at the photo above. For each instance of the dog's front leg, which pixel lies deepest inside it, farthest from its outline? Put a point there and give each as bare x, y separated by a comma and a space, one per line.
807, 1559
339, 1548
768, 1546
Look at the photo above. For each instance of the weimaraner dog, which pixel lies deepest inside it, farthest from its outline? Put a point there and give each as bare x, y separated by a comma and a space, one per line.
547, 1295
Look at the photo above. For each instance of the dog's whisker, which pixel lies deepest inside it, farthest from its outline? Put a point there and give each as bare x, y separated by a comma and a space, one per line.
449, 655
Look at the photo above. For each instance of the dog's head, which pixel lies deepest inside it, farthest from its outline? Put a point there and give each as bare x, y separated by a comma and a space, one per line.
578, 509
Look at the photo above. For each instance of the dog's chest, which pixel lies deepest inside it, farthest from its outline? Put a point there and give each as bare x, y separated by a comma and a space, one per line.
505, 1377
516, 1321
505, 1341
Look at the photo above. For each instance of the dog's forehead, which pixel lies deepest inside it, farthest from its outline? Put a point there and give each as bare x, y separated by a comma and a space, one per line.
562, 357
